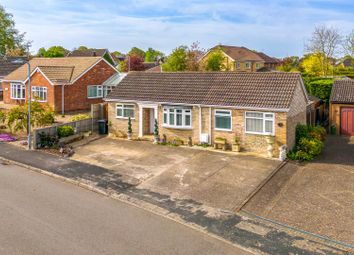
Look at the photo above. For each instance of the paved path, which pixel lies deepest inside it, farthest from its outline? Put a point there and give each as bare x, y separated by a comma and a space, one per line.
41, 215
240, 230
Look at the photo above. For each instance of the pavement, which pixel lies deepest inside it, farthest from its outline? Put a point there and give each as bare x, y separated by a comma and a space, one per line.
41, 215
317, 196
222, 180
247, 232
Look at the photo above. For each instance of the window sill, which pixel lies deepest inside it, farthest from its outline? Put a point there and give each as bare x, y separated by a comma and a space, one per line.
173, 127
223, 130
258, 133
94, 97
124, 118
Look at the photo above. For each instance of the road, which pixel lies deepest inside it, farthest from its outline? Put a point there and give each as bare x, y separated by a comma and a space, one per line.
42, 215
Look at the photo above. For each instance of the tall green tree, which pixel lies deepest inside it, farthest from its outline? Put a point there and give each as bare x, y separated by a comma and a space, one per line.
215, 61
82, 47
289, 64
10, 37
177, 61
152, 55
137, 51
52, 52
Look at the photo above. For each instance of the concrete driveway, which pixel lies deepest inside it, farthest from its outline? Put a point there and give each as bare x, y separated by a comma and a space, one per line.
222, 180
317, 197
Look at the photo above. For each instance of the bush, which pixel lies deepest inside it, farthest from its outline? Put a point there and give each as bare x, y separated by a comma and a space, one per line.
65, 131
80, 117
2, 116
309, 142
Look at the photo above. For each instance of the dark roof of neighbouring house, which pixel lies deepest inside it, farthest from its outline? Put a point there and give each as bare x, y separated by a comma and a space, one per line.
342, 91
87, 53
155, 69
58, 70
10, 64
268, 59
235, 89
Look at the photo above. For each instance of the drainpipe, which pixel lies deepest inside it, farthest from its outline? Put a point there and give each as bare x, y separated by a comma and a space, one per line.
210, 125
62, 100
200, 123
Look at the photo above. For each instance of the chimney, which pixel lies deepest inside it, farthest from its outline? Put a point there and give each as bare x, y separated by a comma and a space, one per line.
94, 53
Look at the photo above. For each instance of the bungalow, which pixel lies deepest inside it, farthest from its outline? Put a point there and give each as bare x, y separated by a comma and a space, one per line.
203, 106
65, 84
341, 106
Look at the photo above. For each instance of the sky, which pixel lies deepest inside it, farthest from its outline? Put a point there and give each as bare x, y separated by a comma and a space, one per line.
279, 28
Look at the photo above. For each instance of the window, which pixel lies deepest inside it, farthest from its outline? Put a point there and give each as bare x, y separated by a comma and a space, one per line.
238, 65
223, 120
107, 90
124, 111
248, 65
18, 91
95, 91
260, 123
39, 94
258, 65
177, 117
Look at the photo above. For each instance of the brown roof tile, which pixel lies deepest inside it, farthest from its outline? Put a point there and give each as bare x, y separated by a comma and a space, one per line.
343, 91
254, 90
240, 53
63, 66
87, 53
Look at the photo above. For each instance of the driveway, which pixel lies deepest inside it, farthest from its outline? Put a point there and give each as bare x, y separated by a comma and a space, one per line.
317, 197
217, 179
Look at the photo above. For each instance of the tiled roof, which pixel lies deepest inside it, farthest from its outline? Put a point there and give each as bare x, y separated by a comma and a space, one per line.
58, 74
87, 53
343, 91
240, 53
9, 64
253, 90
63, 66
268, 59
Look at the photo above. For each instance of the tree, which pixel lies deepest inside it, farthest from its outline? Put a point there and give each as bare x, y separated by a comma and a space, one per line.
324, 42
289, 64
215, 61
52, 52
348, 44
117, 53
137, 51
82, 47
177, 61
133, 63
152, 55
10, 37
312, 64
193, 55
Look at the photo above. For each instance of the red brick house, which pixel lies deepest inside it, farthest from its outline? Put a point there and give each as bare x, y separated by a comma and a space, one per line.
65, 84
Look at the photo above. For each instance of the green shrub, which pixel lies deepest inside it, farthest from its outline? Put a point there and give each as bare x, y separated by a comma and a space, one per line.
65, 131
80, 117
309, 142
2, 116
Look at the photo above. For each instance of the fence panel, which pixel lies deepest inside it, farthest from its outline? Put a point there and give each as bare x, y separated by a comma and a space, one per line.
79, 126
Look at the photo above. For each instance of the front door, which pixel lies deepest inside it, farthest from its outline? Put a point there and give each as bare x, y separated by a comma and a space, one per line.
347, 121
148, 121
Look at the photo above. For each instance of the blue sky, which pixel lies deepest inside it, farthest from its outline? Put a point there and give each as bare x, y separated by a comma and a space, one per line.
277, 27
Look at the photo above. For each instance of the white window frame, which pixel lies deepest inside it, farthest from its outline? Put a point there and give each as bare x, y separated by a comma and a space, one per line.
229, 114
166, 110
37, 89
122, 107
98, 88
264, 121
13, 87
258, 65
107, 89
248, 63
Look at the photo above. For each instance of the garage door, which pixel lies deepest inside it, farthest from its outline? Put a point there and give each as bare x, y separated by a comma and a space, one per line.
347, 121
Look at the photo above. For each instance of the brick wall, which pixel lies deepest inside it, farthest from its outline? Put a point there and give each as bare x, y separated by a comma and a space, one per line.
119, 127
37, 79
76, 94
249, 142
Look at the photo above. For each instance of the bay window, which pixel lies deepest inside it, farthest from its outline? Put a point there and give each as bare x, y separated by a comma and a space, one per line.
177, 117
223, 120
39, 93
18, 91
124, 111
95, 91
259, 123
